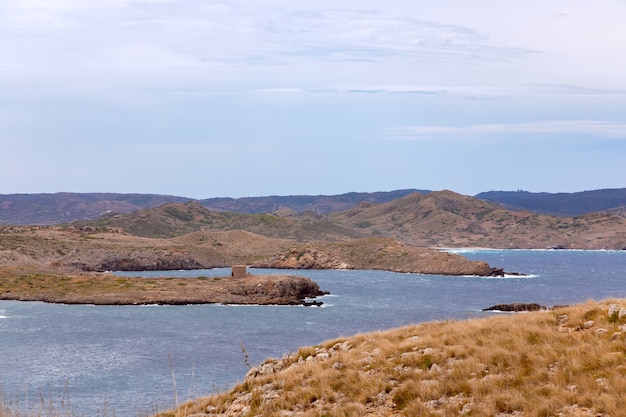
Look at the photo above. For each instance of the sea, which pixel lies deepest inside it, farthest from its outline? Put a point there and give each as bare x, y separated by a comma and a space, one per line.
85, 360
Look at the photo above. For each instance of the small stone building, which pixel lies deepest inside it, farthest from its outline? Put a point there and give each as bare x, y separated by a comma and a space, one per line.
239, 271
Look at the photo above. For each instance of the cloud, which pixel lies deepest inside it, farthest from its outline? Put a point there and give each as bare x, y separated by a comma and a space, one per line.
356, 90
607, 129
107, 40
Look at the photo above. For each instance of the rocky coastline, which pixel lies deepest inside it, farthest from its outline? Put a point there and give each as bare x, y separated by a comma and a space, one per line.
106, 289
392, 257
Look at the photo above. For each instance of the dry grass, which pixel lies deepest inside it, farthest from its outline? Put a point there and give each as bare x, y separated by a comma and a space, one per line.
566, 362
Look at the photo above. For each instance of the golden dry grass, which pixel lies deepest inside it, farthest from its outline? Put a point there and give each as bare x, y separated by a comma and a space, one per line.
566, 362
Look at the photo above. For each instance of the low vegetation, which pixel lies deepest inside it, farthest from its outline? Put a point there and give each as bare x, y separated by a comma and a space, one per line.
30, 284
570, 361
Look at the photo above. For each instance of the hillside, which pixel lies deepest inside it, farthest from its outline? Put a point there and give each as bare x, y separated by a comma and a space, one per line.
559, 204
449, 219
370, 253
173, 219
71, 250
566, 362
100, 250
50, 209
439, 218
319, 204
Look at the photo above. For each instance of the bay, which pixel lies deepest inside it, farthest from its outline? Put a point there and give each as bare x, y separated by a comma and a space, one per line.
135, 360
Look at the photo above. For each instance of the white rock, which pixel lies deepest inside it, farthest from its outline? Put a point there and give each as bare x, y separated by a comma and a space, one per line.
435, 368
601, 332
614, 309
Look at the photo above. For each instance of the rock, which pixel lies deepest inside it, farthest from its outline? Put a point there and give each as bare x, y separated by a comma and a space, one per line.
265, 369
614, 310
338, 365
589, 324
516, 307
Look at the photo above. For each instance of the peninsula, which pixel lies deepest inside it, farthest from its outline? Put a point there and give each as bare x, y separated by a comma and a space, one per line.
106, 289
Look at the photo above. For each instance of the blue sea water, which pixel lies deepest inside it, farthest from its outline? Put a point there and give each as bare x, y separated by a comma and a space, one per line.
135, 360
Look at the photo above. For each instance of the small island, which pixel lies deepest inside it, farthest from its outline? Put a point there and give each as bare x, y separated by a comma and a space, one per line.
106, 289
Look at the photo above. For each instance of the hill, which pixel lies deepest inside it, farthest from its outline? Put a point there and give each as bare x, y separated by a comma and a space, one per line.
71, 250
319, 204
565, 362
50, 209
92, 249
449, 219
559, 204
439, 218
176, 219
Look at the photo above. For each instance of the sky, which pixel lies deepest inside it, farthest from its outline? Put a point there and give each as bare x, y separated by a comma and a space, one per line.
201, 98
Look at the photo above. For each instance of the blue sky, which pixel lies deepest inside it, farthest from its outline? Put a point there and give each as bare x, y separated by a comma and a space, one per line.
212, 98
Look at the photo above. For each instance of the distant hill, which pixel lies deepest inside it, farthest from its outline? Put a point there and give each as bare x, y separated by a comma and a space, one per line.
449, 219
175, 219
559, 204
439, 218
50, 209
320, 204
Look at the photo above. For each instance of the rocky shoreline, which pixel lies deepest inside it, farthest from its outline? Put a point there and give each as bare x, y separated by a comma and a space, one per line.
391, 256
105, 289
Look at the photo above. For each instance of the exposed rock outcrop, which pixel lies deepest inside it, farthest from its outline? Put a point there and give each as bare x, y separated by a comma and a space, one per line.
516, 307
380, 254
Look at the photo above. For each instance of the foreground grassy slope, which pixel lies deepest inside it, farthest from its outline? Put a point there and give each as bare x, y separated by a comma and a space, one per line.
566, 362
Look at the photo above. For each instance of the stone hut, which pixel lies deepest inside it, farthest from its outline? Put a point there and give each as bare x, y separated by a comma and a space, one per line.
239, 271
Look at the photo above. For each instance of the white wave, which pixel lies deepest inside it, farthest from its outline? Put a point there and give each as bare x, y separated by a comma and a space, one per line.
479, 250
506, 276
469, 250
